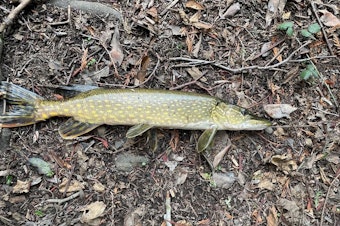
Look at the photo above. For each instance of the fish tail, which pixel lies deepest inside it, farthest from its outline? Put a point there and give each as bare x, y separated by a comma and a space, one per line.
22, 108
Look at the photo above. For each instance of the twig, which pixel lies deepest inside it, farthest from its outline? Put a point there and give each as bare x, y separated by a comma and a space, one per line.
326, 199
168, 7
13, 14
60, 201
238, 70
312, 3
68, 21
167, 215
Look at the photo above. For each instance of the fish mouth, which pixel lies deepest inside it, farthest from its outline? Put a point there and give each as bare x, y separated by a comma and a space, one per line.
256, 124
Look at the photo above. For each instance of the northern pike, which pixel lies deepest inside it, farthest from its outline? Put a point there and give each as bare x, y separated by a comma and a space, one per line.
142, 109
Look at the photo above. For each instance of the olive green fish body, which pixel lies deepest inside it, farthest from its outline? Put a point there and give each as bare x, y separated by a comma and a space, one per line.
141, 108
168, 109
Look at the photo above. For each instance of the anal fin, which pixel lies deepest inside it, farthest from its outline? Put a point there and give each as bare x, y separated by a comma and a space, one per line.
137, 130
72, 129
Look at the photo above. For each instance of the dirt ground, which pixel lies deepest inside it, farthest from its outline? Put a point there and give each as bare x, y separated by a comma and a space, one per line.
285, 175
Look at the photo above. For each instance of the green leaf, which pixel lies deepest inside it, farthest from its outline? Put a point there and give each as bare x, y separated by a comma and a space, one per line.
39, 213
306, 74
285, 25
290, 31
314, 28
9, 179
43, 167
306, 33
311, 67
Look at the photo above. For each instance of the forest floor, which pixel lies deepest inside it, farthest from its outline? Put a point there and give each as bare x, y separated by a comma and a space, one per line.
285, 175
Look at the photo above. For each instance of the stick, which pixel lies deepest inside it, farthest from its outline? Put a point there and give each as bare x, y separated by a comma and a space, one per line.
238, 70
312, 3
13, 14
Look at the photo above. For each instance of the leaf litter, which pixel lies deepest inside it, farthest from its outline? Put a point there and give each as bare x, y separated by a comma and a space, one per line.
286, 183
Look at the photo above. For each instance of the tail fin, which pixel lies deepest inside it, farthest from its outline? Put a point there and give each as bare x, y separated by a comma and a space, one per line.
22, 101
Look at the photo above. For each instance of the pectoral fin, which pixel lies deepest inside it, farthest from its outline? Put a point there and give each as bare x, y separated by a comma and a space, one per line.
72, 129
137, 130
205, 139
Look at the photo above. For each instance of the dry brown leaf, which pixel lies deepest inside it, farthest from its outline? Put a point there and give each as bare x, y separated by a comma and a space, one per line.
195, 18
329, 19
183, 16
180, 176
218, 158
134, 217
279, 110
194, 5
265, 49
73, 186
284, 162
276, 52
202, 25
272, 219
197, 47
153, 12
116, 52
194, 72
274, 7
99, 187
189, 41
223, 180
232, 10
22, 187
336, 41
92, 211
141, 74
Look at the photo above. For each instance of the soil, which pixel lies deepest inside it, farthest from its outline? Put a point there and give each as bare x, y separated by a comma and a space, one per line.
285, 175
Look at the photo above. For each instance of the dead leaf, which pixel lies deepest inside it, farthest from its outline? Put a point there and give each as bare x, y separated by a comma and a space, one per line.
218, 158
329, 19
183, 16
286, 15
195, 18
92, 211
279, 110
202, 25
195, 73
153, 12
103, 73
116, 52
194, 5
197, 47
265, 49
290, 206
180, 176
232, 10
274, 7
99, 187
189, 41
73, 186
22, 187
223, 180
134, 217
272, 219
284, 162
141, 74
276, 52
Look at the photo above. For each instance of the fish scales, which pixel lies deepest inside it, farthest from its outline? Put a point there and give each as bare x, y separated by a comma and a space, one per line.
141, 108
168, 109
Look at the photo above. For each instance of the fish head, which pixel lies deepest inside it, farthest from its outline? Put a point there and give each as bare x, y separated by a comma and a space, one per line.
233, 117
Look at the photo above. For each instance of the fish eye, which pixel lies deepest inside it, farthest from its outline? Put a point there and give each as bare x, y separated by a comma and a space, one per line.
244, 112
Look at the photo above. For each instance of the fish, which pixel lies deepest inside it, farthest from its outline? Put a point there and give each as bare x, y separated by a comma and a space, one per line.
142, 109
